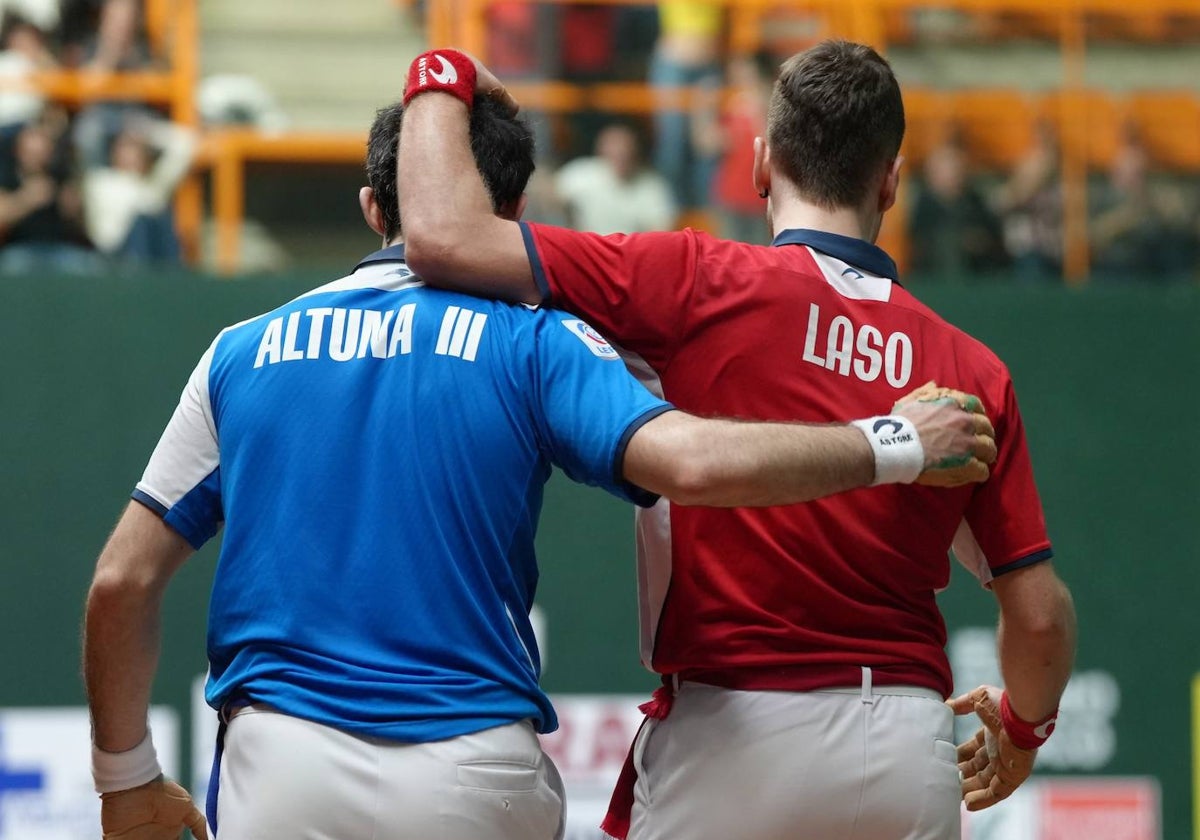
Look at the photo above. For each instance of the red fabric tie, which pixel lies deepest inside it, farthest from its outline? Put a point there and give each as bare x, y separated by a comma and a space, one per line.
620, 807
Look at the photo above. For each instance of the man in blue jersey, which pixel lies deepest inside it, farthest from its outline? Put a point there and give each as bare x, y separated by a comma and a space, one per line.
376, 452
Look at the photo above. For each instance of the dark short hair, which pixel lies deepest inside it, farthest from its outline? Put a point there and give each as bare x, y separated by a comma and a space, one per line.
502, 146
835, 122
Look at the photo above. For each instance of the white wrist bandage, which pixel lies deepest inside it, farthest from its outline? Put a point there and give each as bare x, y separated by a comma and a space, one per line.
123, 770
899, 456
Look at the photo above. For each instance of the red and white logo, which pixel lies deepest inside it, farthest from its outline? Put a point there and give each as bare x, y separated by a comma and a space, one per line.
447, 75
590, 338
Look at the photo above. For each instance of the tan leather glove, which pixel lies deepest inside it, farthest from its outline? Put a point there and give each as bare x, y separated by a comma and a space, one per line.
967, 469
992, 767
158, 810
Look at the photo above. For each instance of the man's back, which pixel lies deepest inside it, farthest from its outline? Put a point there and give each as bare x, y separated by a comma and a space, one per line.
811, 329
377, 451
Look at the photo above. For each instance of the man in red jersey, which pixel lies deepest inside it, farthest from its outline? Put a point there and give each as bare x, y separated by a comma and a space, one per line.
801, 646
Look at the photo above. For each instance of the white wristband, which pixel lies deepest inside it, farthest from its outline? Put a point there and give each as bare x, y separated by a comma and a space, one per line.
124, 770
899, 456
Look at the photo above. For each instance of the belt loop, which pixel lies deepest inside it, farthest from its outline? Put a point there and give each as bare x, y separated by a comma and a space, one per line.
675, 683
867, 696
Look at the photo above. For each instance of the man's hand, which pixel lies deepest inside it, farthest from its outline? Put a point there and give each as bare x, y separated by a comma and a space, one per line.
992, 767
486, 84
159, 810
956, 434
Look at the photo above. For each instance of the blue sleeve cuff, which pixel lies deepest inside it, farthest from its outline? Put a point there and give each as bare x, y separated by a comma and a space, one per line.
635, 494
149, 501
1021, 563
535, 261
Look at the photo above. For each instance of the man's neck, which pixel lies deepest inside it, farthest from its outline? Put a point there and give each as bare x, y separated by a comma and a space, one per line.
793, 214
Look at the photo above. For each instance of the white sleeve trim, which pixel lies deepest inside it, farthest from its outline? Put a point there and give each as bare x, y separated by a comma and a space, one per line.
187, 452
969, 554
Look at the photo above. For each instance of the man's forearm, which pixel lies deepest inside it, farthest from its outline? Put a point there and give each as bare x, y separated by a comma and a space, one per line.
120, 656
122, 625
726, 463
442, 195
1036, 641
453, 238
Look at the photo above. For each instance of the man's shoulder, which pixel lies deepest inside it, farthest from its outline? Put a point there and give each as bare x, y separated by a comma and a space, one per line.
966, 347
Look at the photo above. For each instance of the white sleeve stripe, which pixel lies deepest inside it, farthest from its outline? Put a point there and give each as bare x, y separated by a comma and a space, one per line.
970, 555
187, 452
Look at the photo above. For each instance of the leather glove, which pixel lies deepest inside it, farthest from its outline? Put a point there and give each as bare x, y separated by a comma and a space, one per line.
157, 810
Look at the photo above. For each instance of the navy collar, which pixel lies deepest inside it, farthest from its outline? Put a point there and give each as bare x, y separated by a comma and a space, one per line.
394, 253
845, 248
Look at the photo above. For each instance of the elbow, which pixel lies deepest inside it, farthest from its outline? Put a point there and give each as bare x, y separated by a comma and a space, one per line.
692, 478
1052, 627
688, 489
430, 249
116, 587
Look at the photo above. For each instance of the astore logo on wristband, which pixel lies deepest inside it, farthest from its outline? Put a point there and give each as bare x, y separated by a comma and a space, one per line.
1046, 729
448, 74
887, 421
446, 71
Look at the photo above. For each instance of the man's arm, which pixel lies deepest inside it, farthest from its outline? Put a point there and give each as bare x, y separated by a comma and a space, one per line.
120, 656
1036, 638
121, 627
726, 463
729, 463
452, 238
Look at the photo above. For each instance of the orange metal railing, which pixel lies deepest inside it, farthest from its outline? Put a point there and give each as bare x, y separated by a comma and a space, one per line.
997, 125
1078, 114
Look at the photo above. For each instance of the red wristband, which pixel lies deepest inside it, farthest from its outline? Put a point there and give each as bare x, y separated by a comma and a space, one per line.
444, 71
1027, 736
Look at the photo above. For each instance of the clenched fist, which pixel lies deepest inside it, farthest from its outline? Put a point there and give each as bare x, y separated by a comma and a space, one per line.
957, 435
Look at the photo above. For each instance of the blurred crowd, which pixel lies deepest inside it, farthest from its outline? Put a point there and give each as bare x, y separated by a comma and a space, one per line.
691, 165
87, 188
1142, 225
81, 191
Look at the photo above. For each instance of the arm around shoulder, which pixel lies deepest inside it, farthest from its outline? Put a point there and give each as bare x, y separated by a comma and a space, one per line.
452, 235
727, 463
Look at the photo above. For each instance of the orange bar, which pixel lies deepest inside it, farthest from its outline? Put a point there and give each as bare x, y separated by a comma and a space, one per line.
75, 87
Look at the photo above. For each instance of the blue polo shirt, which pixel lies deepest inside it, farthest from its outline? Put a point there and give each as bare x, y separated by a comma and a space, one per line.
377, 451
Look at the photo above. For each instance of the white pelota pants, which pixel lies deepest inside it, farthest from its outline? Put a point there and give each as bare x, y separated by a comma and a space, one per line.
849, 764
282, 777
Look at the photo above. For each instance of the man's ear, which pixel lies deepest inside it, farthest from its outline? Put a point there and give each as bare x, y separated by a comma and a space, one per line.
890, 185
762, 167
513, 211
372, 215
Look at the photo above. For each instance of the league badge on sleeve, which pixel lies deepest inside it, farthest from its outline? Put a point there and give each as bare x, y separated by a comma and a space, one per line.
590, 338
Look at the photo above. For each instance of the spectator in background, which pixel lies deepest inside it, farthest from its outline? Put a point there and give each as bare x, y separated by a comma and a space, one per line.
23, 50
104, 36
952, 231
1030, 204
687, 53
1139, 231
613, 192
127, 204
40, 205
727, 134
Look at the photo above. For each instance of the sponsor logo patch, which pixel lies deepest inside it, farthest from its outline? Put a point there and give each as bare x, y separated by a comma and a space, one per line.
448, 75
591, 339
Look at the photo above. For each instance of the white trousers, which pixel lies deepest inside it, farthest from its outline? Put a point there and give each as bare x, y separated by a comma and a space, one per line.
282, 777
847, 764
